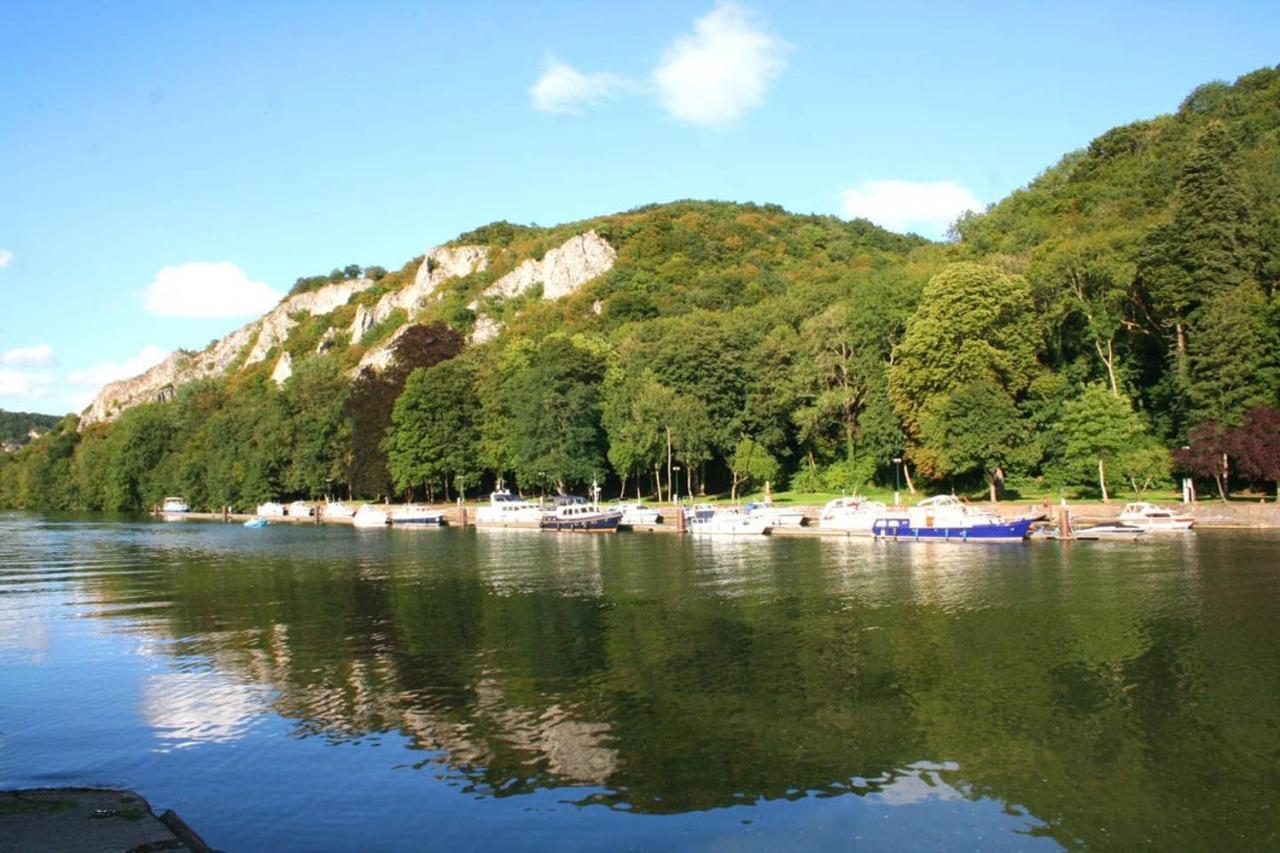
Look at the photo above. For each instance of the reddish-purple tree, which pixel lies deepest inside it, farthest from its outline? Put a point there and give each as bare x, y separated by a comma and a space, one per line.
1256, 445
1208, 450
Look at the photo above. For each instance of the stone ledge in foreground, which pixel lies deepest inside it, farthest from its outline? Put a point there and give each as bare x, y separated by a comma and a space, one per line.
89, 820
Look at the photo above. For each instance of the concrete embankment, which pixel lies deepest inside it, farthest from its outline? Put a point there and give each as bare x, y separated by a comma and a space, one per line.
89, 820
1207, 514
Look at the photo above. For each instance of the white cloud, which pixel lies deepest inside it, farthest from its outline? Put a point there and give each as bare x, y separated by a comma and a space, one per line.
714, 76
924, 207
564, 89
109, 371
24, 384
208, 289
40, 355
6, 258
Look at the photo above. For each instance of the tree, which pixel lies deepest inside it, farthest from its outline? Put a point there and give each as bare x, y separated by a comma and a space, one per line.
433, 434
978, 427
1145, 465
1208, 453
1099, 426
1232, 356
974, 325
1257, 445
751, 463
554, 405
316, 399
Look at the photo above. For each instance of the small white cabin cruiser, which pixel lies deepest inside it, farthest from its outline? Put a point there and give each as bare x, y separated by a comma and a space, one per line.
507, 510
775, 516
270, 509
337, 509
301, 509
576, 514
854, 514
638, 513
415, 515
369, 516
728, 522
1154, 518
174, 509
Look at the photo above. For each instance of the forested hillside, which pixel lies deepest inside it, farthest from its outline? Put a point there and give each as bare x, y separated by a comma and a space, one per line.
1111, 325
15, 427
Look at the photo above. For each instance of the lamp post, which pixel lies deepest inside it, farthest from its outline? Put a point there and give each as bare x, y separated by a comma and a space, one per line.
897, 480
675, 486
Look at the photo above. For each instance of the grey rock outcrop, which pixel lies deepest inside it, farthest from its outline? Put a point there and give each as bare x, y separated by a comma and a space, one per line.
438, 266
561, 270
283, 369
183, 366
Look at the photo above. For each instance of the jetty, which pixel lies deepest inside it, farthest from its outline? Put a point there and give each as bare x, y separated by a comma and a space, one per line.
89, 820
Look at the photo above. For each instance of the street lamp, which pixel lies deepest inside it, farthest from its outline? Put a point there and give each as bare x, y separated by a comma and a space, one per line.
675, 491
897, 481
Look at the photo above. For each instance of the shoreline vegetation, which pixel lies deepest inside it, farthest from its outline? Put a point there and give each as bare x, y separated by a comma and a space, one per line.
1114, 326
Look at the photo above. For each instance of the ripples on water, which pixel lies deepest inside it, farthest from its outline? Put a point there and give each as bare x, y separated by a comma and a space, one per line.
304, 687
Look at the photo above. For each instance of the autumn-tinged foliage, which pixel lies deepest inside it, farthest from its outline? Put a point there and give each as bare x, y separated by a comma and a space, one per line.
1078, 334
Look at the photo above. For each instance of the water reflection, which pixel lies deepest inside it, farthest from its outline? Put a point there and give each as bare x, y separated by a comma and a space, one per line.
1080, 687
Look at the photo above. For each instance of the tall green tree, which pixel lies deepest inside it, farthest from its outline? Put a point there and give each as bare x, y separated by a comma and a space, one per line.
434, 433
1099, 427
974, 325
978, 427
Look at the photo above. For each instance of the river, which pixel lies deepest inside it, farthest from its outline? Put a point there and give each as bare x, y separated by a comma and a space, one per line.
324, 688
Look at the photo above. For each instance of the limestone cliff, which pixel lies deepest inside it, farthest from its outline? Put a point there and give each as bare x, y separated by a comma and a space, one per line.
183, 366
439, 265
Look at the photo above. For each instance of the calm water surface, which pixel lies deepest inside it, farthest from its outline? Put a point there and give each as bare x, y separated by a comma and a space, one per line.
333, 689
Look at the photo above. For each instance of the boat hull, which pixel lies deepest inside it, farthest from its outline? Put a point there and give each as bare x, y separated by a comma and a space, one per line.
417, 521
900, 529
602, 523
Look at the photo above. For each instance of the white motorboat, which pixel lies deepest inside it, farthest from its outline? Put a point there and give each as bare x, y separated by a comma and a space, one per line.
638, 514
1154, 518
416, 516
301, 509
728, 522
270, 509
694, 512
337, 509
775, 516
507, 510
1111, 531
174, 509
370, 516
854, 514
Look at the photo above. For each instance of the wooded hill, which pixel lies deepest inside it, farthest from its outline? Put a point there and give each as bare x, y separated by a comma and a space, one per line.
1080, 333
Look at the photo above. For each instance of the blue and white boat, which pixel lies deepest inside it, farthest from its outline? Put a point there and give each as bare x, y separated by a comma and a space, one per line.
948, 518
413, 515
574, 513
254, 523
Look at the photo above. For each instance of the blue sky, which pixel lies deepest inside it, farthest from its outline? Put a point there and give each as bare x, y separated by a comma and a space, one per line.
167, 169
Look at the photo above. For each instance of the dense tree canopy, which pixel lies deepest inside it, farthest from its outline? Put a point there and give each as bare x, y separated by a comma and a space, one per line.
1121, 306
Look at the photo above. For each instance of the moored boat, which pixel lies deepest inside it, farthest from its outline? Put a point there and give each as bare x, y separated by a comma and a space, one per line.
413, 515
727, 522
948, 518
506, 510
301, 509
638, 514
774, 516
854, 514
575, 514
254, 523
369, 516
337, 509
174, 509
270, 509
1154, 519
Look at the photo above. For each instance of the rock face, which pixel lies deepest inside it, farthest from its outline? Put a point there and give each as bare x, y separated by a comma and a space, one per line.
275, 326
283, 369
439, 265
183, 366
561, 270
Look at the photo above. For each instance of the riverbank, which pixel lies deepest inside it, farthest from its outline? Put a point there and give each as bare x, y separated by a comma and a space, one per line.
1207, 514
89, 820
